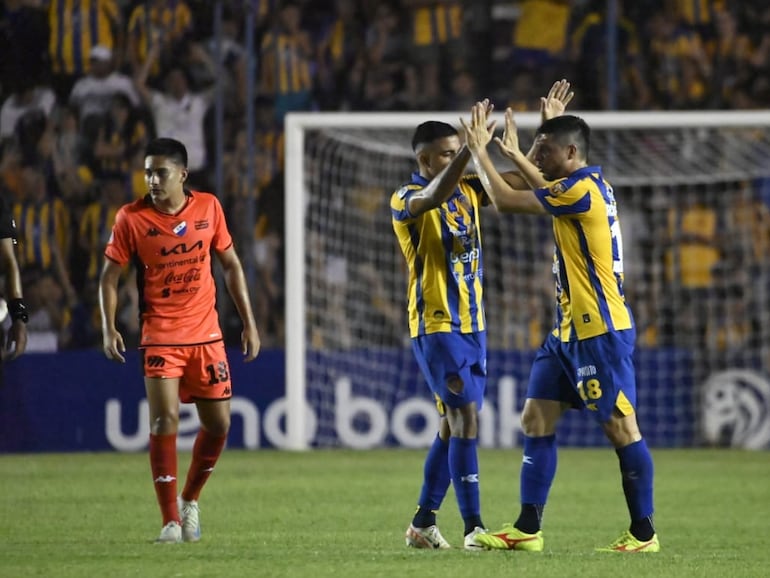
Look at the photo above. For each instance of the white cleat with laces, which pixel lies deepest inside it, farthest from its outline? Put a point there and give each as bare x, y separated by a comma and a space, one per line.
191, 524
428, 538
171, 533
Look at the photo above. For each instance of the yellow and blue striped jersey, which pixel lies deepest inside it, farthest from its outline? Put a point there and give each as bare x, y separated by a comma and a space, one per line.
95, 228
41, 227
588, 256
436, 25
443, 253
286, 69
173, 20
76, 26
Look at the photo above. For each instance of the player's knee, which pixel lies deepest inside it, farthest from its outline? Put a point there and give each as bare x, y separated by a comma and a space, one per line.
622, 430
218, 429
455, 384
531, 422
164, 424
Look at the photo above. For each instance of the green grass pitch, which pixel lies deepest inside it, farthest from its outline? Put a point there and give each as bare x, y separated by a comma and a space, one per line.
343, 513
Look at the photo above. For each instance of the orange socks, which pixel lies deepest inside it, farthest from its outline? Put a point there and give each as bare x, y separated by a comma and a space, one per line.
163, 466
206, 452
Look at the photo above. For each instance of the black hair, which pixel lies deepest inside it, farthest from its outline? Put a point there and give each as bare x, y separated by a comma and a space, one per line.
568, 127
167, 147
430, 131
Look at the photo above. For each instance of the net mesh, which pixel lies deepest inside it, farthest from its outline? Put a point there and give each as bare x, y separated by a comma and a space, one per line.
693, 205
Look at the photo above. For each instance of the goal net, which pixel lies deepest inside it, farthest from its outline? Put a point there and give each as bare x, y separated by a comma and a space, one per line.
693, 193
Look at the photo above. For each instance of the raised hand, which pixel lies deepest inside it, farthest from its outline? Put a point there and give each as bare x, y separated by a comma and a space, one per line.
509, 144
555, 103
479, 132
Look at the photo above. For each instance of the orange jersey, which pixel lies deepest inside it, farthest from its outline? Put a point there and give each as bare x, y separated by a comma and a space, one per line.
172, 253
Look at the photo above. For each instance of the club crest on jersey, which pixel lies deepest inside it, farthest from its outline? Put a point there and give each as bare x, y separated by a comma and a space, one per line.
180, 229
558, 188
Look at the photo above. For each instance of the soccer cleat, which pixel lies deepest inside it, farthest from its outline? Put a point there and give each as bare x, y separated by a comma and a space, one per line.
471, 540
510, 538
191, 524
627, 543
428, 537
170, 534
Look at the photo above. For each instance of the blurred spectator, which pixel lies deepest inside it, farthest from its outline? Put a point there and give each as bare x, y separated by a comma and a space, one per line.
76, 26
233, 60
122, 135
49, 311
97, 220
25, 98
339, 53
680, 72
540, 36
287, 60
731, 53
44, 227
589, 49
92, 94
160, 24
179, 113
437, 49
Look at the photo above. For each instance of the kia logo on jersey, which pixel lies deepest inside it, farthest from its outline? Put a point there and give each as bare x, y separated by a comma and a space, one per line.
181, 249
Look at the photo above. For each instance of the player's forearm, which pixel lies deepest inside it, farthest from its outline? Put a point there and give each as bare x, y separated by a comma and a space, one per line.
10, 270
108, 306
504, 197
528, 170
442, 186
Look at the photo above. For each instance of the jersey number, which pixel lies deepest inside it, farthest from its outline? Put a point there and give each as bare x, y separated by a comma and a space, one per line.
218, 373
592, 389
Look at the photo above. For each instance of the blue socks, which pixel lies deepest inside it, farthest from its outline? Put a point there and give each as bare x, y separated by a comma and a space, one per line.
637, 470
464, 469
435, 484
538, 469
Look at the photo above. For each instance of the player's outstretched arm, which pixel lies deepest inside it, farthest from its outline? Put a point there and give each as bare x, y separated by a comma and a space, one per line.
236, 286
504, 197
112, 340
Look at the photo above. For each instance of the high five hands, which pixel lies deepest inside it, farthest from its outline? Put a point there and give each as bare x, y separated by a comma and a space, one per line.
479, 131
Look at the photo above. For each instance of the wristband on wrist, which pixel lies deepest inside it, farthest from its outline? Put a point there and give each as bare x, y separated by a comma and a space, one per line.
17, 310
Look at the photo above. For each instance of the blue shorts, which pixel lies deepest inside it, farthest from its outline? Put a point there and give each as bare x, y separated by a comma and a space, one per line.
596, 374
442, 356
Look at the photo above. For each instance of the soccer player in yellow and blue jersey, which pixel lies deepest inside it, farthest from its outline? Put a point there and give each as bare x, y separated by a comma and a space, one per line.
586, 362
436, 220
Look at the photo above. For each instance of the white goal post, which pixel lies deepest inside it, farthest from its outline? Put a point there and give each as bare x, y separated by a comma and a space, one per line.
705, 151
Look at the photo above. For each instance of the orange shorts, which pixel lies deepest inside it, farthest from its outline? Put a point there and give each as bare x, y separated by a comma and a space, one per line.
202, 370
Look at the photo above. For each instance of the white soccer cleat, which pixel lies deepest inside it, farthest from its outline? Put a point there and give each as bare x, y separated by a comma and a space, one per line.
170, 534
471, 543
191, 523
429, 538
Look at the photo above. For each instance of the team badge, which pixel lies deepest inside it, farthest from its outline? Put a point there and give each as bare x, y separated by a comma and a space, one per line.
558, 188
180, 229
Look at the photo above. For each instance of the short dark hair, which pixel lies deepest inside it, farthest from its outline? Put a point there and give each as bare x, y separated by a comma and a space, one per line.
571, 128
430, 131
167, 147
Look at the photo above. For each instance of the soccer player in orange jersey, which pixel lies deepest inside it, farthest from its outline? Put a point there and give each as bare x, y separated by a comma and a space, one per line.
170, 236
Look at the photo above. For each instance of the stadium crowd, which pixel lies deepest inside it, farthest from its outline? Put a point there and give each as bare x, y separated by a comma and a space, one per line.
85, 83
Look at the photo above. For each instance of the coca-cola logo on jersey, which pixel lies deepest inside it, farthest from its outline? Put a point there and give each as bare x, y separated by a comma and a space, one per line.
188, 276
